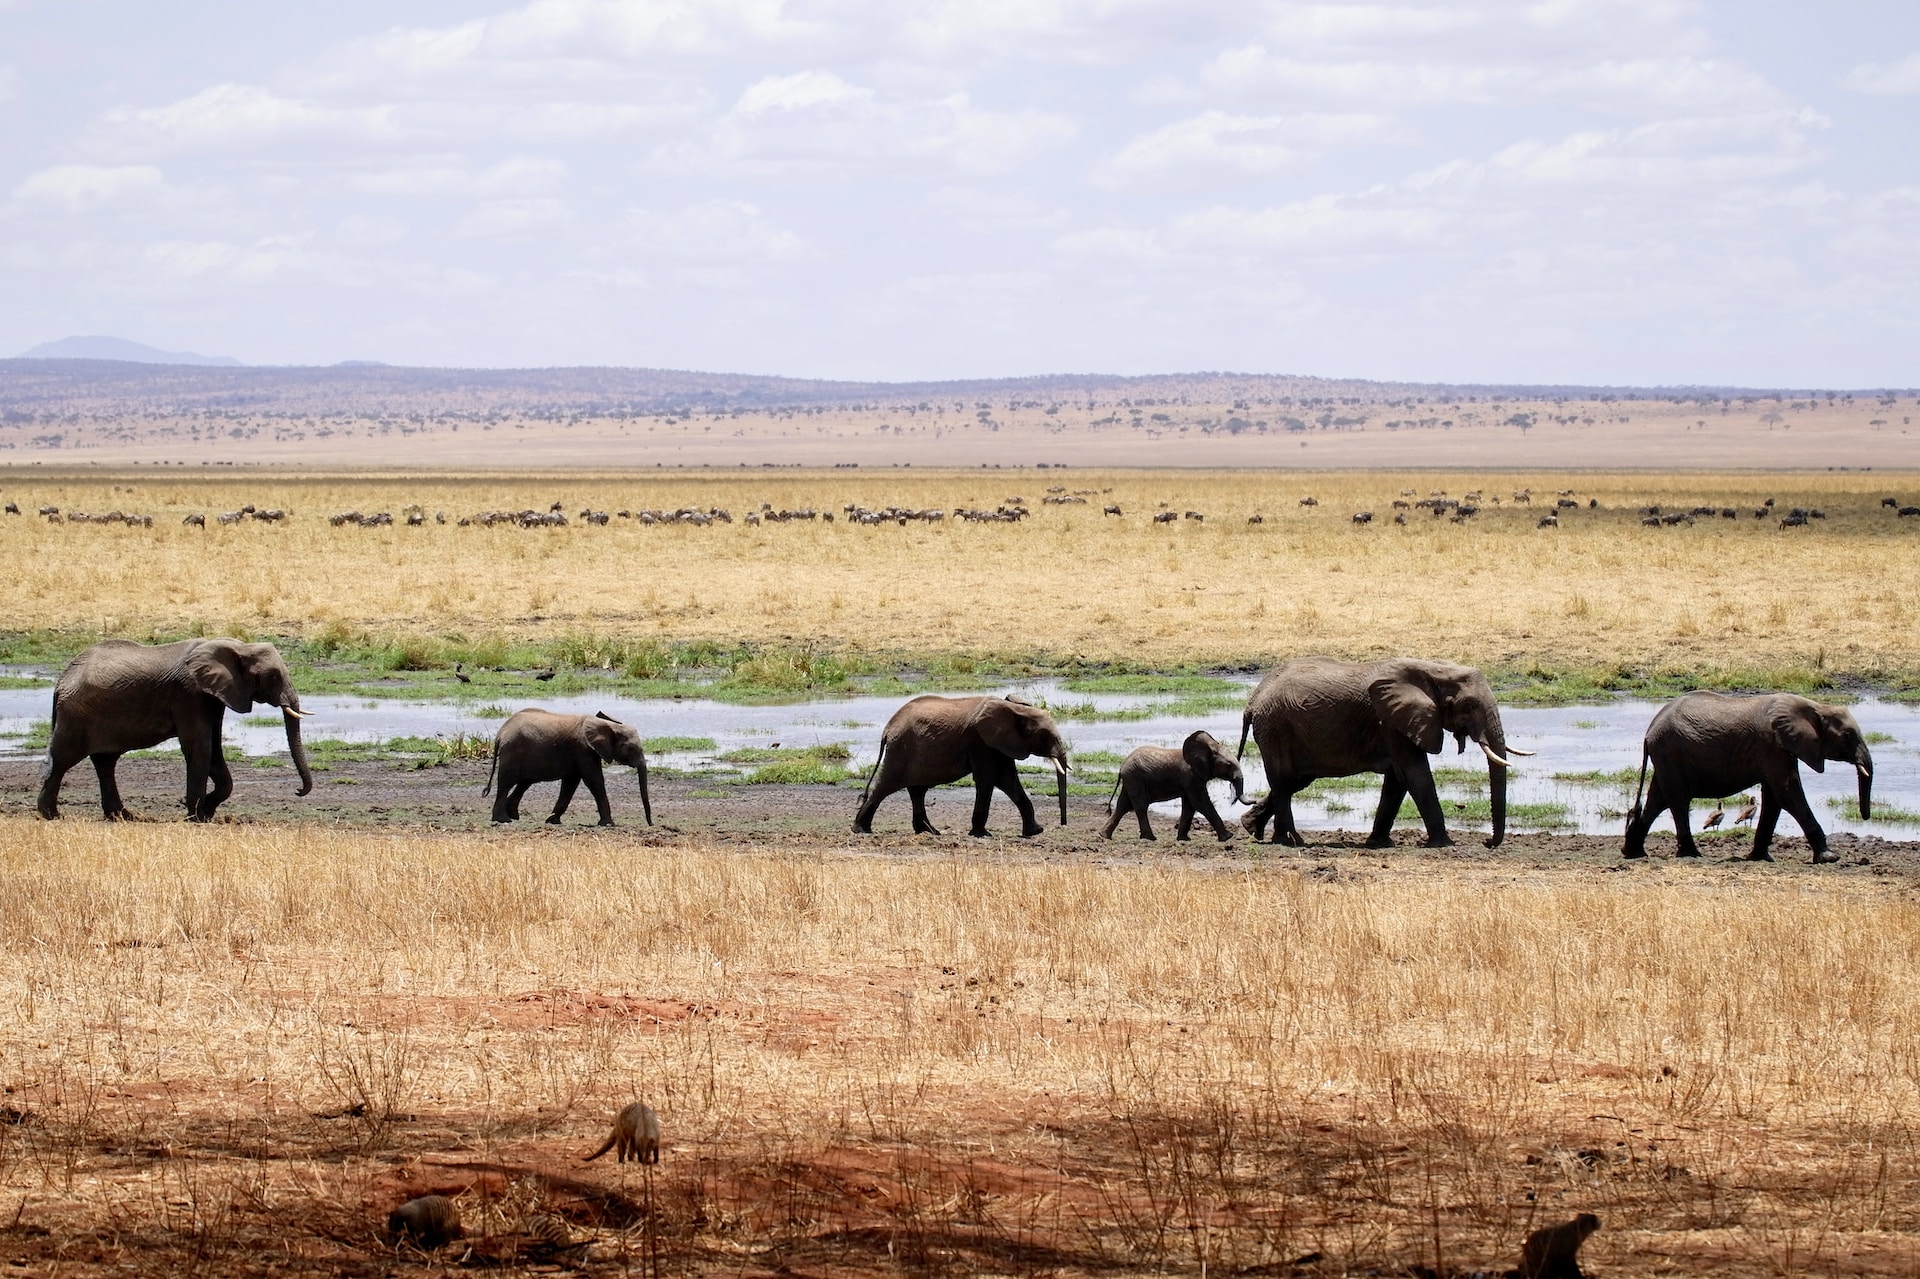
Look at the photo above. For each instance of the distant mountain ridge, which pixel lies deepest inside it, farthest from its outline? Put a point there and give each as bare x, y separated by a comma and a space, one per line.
45, 388
102, 347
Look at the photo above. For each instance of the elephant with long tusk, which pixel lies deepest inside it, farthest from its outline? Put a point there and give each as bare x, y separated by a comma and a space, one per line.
119, 696
931, 741
1318, 717
1706, 745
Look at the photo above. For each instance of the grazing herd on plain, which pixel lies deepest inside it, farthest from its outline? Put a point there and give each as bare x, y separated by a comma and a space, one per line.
1313, 718
1011, 510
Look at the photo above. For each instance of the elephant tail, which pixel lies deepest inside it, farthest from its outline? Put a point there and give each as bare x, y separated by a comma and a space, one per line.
1114, 795
1246, 723
874, 771
494, 767
1639, 787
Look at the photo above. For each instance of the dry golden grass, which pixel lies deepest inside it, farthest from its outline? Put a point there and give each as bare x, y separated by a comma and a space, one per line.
1601, 589
869, 1064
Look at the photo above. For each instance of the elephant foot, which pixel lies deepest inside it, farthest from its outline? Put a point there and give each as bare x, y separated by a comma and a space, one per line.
605, 821
1379, 841
1688, 852
863, 828
1028, 832
1225, 837
1759, 855
1824, 856
1437, 841
52, 816
1633, 854
978, 832
925, 828
1492, 841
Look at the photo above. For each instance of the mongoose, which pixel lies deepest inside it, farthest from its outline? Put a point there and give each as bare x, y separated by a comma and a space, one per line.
428, 1221
1554, 1251
635, 1136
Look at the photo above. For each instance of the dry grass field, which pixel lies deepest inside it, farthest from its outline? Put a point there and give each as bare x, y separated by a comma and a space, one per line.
234, 1049
1837, 596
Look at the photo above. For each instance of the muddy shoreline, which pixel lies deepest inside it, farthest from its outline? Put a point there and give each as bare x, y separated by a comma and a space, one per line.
387, 797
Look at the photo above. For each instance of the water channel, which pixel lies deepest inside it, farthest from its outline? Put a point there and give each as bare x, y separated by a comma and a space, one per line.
1557, 789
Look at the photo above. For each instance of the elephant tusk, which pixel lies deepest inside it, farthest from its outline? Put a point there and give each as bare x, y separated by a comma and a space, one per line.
1491, 756
1515, 750
295, 712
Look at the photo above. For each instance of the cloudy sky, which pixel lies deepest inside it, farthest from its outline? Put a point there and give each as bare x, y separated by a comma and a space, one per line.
1623, 191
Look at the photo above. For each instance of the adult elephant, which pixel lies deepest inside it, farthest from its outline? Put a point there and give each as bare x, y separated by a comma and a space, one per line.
541, 746
1317, 717
119, 696
935, 740
1709, 745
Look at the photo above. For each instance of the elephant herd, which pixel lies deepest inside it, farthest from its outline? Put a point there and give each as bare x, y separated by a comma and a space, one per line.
1313, 718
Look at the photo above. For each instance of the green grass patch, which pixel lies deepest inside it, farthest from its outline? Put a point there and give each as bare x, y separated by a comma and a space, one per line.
1083, 758
1879, 739
808, 770
1617, 777
1329, 785
1541, 816
831, 752
24, 681
1147, 685
1891, 814
679, 745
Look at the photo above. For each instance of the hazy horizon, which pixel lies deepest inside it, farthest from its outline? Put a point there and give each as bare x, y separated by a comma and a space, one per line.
1638, 193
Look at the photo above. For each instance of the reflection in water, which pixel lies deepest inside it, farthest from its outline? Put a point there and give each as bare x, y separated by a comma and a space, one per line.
1589, 742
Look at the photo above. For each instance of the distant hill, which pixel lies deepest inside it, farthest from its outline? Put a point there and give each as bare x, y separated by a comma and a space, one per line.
112, 348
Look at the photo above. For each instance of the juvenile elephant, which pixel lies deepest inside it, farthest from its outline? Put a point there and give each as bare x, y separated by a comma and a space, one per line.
1706, 745
1155, 774
1317, 717
540, 746
935, 740
119, 696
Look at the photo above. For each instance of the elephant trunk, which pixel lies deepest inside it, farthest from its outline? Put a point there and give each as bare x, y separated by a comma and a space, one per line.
291, 714
1495, 745
1863, 765
646, 798
1239, 780
1060, 770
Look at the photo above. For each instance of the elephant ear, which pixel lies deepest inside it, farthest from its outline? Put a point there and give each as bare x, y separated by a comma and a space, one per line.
1003, 726
1200, 750
598, 731
1405, 707
1797, 725
218, 671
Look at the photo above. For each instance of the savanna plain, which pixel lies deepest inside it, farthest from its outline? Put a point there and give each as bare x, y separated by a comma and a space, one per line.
235, 1048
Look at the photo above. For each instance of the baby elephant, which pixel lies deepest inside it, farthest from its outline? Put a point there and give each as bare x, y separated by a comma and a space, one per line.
1153, 774
540, 746
635, 1136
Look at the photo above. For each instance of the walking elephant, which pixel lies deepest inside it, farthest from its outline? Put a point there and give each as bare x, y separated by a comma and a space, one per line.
540, 746
1155, 774
1708, 745
1317, 717
119, 696
935, 740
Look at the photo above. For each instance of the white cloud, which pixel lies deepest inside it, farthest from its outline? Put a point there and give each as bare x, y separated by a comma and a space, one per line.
1322, 224
1238, 144
713, 231
1900, 77
520, 175
794, 92
78, 187
501, 218
9, 83
230, 116
1113, 243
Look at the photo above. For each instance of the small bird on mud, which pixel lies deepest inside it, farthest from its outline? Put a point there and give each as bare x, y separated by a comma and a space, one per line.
546, 674
461, 674
1746, 814
1714, 818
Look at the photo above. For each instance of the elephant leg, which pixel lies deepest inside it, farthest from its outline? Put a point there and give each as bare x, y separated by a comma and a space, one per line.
1640, 821
61, 757
885, 782
197, 746
568, 785
922, 824
1393, 789
1284, 831
1203, 804
506, 806
1007, 779
1681, 806
1122, 805
982, 801
1254, 820
1426, 798
518, 793
1763, 826
1183, 829
110, 804
1795, 802
596, 779
1138, 800
222, 782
